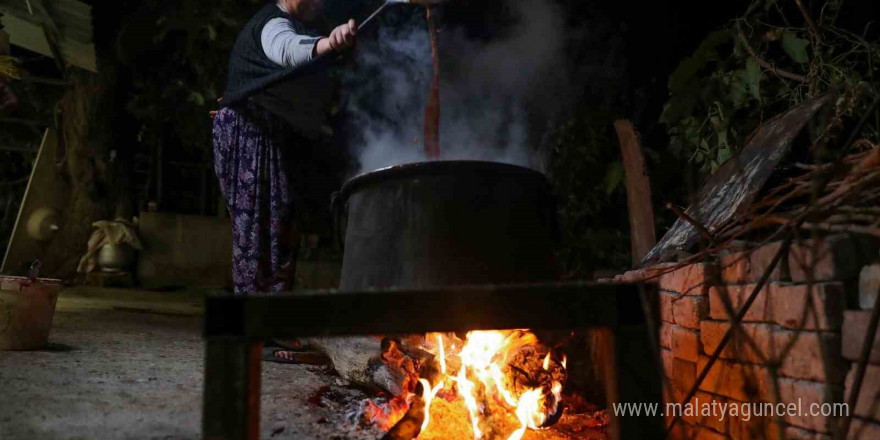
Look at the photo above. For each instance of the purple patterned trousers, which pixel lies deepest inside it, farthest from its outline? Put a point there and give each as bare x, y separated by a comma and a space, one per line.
254, 178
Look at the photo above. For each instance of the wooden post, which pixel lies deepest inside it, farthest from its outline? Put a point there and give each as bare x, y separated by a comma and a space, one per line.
231, 393
634, 372
638, 192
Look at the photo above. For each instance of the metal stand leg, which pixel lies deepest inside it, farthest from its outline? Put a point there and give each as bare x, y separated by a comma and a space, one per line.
232, 390
638, 381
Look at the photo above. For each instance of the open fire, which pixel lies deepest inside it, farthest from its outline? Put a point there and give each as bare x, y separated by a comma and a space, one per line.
493, 384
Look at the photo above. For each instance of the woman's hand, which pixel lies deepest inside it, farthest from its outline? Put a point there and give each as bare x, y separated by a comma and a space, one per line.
343, 37
213, 113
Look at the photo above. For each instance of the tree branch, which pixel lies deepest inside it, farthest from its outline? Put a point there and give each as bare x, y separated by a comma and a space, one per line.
767, 65
813, 28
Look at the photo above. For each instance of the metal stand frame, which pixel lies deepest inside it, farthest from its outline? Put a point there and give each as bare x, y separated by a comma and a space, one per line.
236, 326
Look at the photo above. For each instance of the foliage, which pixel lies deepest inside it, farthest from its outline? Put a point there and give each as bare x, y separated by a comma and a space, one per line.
179, 53
758, 66
594, 233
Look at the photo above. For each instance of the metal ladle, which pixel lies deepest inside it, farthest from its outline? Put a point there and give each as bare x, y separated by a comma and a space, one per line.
425, 3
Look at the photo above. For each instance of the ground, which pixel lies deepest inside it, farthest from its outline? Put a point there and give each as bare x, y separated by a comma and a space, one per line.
127, 364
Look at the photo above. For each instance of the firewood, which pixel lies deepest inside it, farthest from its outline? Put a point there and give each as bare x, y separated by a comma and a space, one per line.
410, 426
370, 362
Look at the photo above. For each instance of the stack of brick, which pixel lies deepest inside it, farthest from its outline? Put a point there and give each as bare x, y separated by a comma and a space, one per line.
798, 345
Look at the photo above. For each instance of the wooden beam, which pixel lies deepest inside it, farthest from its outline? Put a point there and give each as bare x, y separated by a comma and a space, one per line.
30, 36
638, 192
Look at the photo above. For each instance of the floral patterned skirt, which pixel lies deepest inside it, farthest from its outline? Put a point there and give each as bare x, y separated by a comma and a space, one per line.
250, 162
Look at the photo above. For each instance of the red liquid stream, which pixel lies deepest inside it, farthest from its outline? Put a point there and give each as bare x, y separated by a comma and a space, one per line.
432, 110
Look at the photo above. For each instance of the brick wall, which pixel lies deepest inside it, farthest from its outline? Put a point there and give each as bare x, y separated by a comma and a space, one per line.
799, 340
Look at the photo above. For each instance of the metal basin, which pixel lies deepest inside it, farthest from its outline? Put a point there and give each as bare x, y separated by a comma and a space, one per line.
448, 223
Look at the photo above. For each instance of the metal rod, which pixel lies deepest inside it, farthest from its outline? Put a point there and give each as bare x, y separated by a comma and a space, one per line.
373, 15
548, 306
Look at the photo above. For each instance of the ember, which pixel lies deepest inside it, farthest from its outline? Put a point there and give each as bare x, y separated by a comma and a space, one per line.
500, 383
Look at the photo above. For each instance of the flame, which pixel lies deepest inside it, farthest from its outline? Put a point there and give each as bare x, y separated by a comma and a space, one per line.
466, 389
527, 411
480, 376
428, 396
442, 353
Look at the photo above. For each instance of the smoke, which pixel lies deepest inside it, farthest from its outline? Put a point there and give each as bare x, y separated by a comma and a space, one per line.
489, 91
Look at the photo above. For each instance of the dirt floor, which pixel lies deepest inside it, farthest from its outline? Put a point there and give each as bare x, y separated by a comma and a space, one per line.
127, 364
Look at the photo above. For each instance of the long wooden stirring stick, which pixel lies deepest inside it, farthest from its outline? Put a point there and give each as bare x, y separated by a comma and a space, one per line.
432, 110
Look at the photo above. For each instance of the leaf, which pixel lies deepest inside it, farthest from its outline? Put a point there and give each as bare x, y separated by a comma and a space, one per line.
739, 88
197, 98
212, 33
690, 66
795, 47
753, 78
723, 155
613, 177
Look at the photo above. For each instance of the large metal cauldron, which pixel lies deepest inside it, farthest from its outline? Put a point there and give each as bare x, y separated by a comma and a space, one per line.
448, 223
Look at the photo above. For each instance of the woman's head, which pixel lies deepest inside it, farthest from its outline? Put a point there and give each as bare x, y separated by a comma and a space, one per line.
306, 10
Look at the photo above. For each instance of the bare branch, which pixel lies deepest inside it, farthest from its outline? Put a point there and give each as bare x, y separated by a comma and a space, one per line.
767, 65
813, 28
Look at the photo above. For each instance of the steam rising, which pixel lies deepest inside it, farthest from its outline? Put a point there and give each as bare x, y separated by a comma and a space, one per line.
486, 89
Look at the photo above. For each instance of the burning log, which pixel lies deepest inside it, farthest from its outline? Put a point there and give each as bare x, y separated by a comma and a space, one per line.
371, 362
410, 426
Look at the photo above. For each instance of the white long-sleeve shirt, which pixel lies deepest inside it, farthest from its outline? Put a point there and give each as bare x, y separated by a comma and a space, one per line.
285, 44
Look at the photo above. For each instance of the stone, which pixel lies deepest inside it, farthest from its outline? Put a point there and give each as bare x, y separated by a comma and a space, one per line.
667, 359
684, 374
755, 428
838, 257
804, 355
712, 332
807, 394
744, 382
700, 402
686, 344
810, 355
789, 305
794, 433
693, 279
862, 429
737, 296
868, 405
682, 431
666, 307
666, 330
704, 433
688, 311
869, 286
749, 266
855, 330
819, 307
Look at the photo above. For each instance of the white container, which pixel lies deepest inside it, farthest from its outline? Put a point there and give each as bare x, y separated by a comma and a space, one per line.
27, 307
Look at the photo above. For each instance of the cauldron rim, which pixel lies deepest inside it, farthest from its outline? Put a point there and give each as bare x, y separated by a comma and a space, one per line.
433, 168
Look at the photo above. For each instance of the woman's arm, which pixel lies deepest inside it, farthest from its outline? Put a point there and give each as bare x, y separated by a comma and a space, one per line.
285, 47
341, 38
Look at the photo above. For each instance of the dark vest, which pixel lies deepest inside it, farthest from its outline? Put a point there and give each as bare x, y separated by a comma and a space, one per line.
252, 75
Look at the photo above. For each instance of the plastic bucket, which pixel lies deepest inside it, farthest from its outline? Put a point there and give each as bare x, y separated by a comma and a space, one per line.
27, 307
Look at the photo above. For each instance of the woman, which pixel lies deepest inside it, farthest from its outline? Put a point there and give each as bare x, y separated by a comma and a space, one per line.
266, 111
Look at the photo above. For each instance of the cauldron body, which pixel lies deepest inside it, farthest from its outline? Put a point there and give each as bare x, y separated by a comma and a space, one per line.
445, 223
